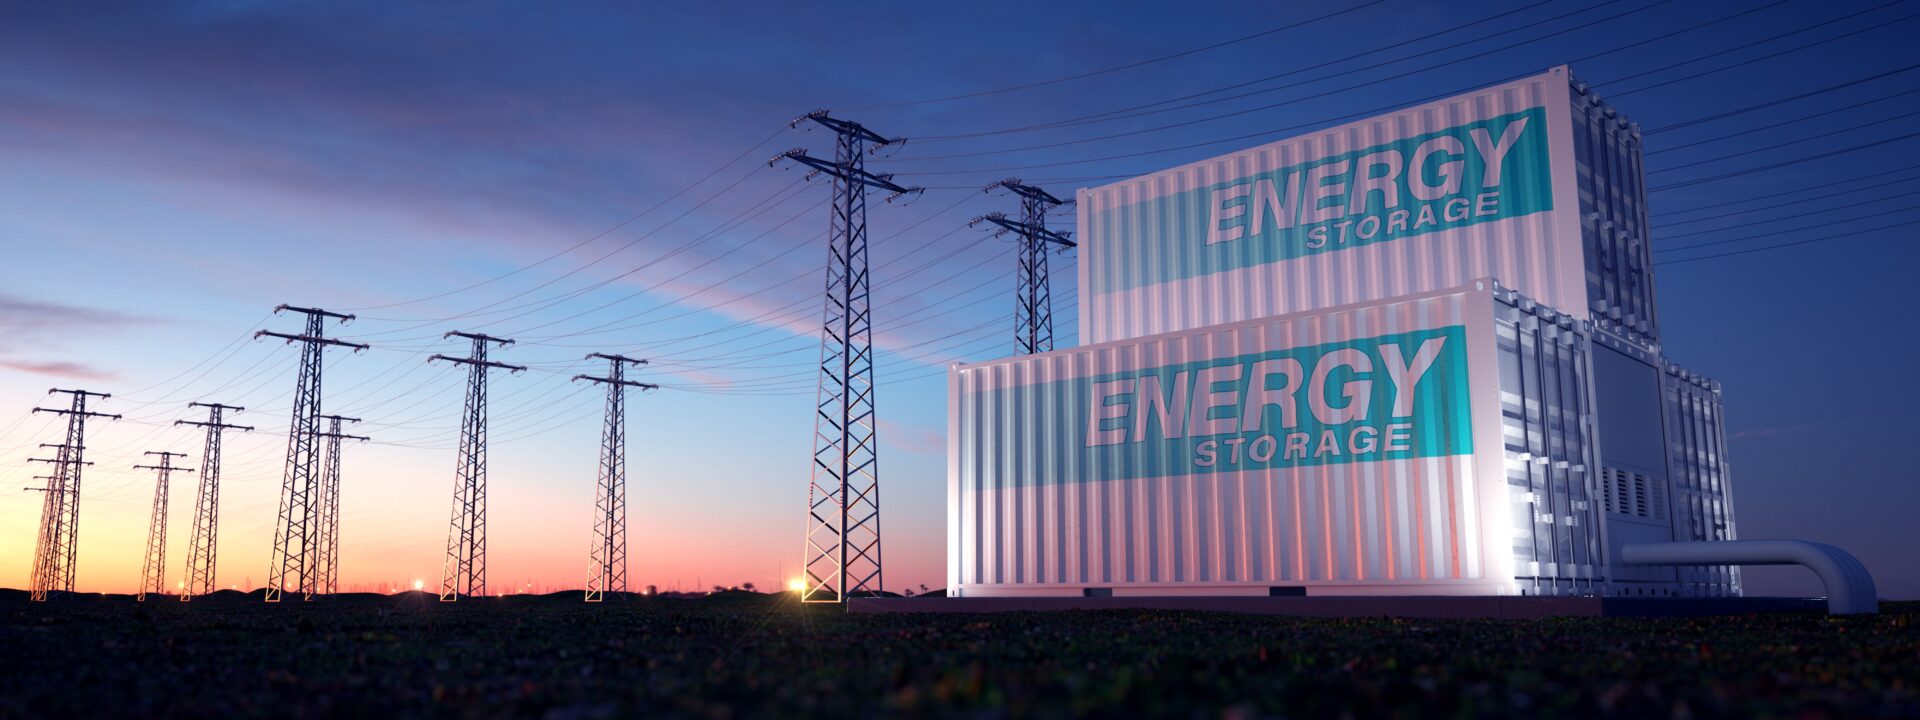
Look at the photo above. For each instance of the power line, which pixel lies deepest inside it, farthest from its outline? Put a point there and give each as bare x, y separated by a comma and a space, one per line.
1794, 121
1128, 66
752, 213
1292, 101
1770, 221
902, 356
635, 218
1795, 191
1129, 112
1785, 163
1796, 243
1789, 143
1787, 231
1769, 56
744, 154
230, 349
776, 311
1349, 116
547, 340
1781, 101
484, 309
710, 260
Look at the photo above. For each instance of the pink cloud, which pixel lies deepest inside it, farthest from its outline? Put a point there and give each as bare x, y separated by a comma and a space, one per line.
20, 317
57, 368
912, 438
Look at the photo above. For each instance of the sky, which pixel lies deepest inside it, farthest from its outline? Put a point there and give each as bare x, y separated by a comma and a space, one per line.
595, 179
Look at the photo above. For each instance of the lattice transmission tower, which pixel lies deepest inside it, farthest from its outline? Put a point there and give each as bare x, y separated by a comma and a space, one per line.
295, 560
153, 571
203, 545
465, 571
842, 553
1033, 301
40, 541
55, 554
607, 557
329, 552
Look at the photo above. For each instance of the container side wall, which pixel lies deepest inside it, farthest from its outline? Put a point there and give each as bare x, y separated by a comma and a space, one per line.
1614, 227
1551, 450
1636, 494
1415, 201
1697, 460
1349, 451
957, 415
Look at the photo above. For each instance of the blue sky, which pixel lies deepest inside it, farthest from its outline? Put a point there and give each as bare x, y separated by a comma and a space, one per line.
173, 171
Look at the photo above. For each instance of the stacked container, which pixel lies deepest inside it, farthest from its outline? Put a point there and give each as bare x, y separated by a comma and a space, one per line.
1697, 467
1138, 464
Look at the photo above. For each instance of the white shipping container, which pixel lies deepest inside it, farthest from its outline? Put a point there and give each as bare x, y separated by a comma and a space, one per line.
1535, 182
1433, 444
1635, 490
1702, 486
1663, 466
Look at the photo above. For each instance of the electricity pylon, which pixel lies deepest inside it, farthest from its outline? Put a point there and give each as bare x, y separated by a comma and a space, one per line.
296, 530
153, 572
52, 512
1033, 302
842, 555
465, 570
203, 545
607, 558
48, 490
329, 571
40, 541
54, 557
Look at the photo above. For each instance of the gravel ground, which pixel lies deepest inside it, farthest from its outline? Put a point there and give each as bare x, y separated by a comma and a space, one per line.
743, 655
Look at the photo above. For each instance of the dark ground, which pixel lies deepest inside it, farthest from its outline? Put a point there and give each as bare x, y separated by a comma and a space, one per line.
742, 655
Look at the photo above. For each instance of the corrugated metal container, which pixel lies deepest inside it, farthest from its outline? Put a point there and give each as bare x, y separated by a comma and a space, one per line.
1534, 182
1635, 493
1702, 488
1434, 444
1614, 231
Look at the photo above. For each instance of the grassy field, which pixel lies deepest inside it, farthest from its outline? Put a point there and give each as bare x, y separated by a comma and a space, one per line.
743, 655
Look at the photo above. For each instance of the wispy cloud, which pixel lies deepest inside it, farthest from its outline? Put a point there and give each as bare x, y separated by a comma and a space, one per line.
914, 439
42, 325
20, 318
59, 368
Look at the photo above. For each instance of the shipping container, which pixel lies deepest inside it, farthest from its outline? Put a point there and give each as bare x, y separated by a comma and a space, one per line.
1629, 381
1535, 182
1702, 483
1663, 467
1439, 443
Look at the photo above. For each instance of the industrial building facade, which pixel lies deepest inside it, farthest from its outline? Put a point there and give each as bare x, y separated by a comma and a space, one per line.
1415, 355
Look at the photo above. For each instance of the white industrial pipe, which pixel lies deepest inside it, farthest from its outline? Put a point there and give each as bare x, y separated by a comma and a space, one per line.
1850, 589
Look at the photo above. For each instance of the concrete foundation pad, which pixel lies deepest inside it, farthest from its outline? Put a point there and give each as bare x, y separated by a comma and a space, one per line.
1503, 608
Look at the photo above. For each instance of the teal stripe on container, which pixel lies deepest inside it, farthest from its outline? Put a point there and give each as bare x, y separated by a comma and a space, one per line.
1164, 239
1439, 419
